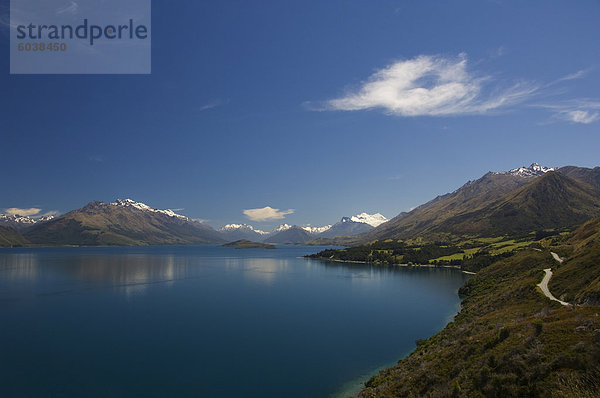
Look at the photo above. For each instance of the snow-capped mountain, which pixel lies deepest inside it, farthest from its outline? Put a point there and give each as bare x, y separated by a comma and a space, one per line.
21, 222
237, 227
292, 235
532, 171
145, 207
233, 232
123, 222
373, 220
346, 227
282, 227
316, 230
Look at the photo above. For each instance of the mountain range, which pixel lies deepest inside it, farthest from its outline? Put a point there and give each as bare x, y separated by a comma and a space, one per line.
127, 222
520, 200
124, 222
21, 223
294, 234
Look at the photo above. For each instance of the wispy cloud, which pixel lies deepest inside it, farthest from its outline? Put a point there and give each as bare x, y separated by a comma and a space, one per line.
266, 213
14, 211
431, 86
577, 75
70, 8
213, 104
584, 111
498, 52
5, 22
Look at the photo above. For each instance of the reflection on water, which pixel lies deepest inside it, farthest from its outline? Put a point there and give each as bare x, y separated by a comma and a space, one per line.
18, 266
185, 321
262, 270
134, 272
131, 273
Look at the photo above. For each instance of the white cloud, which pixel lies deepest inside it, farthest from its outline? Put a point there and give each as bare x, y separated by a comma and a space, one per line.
13, 211
266, 213
431, 86
585, 117
30, 212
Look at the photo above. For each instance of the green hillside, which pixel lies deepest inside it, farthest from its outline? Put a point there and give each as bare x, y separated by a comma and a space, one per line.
496, 205
550, 201
509, 340
9, 237
578, 278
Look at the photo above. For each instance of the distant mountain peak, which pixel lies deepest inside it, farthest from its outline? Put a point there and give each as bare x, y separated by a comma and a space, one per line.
241, 227
144, 207
373, 220
282, 227
122, 222
533, 170
286, 234
316, 230
20, 222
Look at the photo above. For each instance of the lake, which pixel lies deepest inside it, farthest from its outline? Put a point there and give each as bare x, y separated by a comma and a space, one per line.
210, 321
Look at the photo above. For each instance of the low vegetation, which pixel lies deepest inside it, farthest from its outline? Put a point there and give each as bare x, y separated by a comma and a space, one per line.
468, 253
509, 340
247, 244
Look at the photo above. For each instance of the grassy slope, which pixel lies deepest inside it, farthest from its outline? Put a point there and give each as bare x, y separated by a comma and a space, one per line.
509, 340
430, 216
496, 205
578, 278
588, 176
10, 237
550, 201
81, 229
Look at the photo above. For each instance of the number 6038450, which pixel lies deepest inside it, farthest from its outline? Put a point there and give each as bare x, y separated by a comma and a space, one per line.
42, 46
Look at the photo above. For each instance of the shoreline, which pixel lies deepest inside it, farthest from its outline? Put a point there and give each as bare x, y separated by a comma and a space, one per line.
456, 267
352, 388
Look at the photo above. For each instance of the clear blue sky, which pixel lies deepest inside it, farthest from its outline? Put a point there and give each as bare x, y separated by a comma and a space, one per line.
329, 108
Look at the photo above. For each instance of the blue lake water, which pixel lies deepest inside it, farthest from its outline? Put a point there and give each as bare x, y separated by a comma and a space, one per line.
191, 321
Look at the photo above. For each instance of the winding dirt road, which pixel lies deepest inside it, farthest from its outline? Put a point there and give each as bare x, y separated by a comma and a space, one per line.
544, 286
544, 283
557, 257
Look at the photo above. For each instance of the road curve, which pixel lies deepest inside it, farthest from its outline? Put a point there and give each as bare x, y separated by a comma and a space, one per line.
544, 286
557, 257
548, 274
